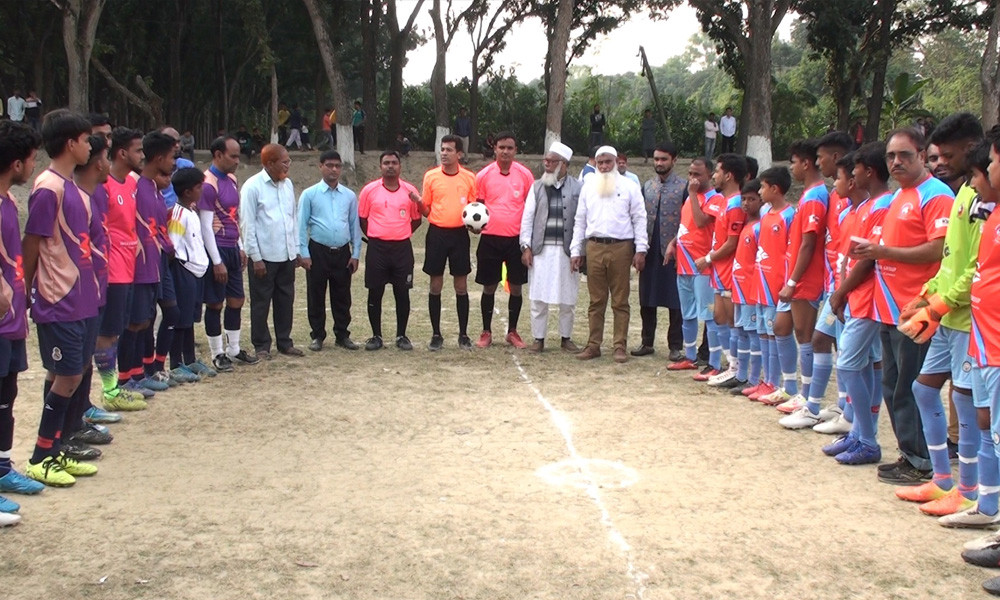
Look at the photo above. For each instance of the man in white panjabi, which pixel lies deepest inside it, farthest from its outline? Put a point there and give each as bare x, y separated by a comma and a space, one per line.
546, 233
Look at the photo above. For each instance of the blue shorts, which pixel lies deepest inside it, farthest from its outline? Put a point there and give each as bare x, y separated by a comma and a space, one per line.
787, 306
765, 319
860, 344
216, 293
987, 384
117, 310
13, 357
695, 294
745, 316
143, 304
190, 290
949, 353
165, 292
827, 323
62, 345
980, 392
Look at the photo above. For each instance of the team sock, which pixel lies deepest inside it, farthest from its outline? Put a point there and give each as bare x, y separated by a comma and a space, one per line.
50, 427
233, 341
822, 369
714, 346
105, 359
402, 296
147, 348
375, 309
968, 445
434, 308
690, 330
787, 351
775, 362
188, 348
126, 355
742, 354
989, 474
724, 339
806, 366
514, 312
462, 308
763, 357
935, 432
861, 396
213, 322
486, 303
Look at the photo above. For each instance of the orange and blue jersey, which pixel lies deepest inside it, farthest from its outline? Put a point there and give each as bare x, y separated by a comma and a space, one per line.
745, 265
121, 224
837, 206
916, 216
772, 245
14, 324
65, 287
868, 218
729, 222
810, 217
984, 341
694, 242
221, 196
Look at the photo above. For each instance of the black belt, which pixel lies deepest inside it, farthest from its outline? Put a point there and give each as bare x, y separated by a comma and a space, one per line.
329, 248
607, 240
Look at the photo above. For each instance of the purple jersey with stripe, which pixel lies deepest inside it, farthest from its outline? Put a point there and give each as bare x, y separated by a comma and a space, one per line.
65, 287
100, 242
13, 325
150, 215
221, 196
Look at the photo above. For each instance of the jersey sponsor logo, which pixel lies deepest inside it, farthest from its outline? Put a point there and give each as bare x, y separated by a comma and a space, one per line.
813, 218
57, 354
906, 210
682, 230
942, 222
735, 226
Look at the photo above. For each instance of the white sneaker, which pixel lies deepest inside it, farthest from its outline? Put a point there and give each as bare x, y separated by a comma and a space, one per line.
981, 543
972, 519
792, 404
800, 419
838, 425
778, 396
722, 378
829, 413
8, 519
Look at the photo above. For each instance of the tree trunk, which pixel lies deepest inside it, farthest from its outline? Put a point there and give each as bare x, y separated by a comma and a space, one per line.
345, 138
884, 9
174, 106
438, 89
989, 73
371, 13
220, 65
474, 107
755, 115
80, 18
274, 104
555, 60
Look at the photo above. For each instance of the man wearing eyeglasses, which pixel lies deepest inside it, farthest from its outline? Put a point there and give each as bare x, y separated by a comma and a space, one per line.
907, 254
271, 239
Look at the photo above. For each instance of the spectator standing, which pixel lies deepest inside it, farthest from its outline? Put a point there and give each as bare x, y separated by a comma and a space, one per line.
711, 133
358, 123
295, 129
16, 106
648, 129
597, 123
33, 111
283, 116
463, 129
187, 145
727, 127
327, 130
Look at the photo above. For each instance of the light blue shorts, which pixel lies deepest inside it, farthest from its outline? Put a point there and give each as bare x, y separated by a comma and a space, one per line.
860, 344
980, 392
695, 295
986, 385
949, 353
765, 319
745, 316
827, 323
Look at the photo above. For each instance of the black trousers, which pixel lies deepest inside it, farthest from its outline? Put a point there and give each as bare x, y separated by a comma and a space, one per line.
329, 269
276, 287
675, 336
901, 362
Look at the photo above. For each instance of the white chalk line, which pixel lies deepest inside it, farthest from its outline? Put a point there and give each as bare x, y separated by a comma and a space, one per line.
562, 423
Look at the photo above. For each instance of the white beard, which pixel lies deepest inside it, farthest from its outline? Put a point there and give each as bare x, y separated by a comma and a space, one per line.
605, 183
549, 179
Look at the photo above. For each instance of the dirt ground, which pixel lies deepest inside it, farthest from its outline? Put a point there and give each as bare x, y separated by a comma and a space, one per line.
490, 474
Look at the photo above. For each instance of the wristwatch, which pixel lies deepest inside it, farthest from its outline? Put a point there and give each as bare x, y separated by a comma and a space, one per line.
525, 247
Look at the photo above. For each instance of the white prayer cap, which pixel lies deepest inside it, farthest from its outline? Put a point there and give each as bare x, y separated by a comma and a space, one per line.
606, 150
562, 150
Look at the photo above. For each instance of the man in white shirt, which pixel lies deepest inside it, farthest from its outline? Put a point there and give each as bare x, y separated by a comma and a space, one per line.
711, 131
16, 106
611, 221
727, 127
623, 169
271, 240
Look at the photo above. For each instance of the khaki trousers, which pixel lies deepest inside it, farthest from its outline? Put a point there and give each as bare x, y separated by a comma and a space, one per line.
608, 271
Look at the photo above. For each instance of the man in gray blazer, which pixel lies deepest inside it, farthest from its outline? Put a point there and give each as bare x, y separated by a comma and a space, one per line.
546, 233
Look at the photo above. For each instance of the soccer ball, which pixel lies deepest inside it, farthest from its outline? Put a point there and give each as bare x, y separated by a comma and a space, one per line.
475, 216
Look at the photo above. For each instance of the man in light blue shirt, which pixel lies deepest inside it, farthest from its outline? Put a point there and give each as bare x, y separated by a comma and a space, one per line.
330, 246
271, 241
179, 163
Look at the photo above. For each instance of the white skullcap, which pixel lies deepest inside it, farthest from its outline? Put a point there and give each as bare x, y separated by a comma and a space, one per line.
606, 150
562, 150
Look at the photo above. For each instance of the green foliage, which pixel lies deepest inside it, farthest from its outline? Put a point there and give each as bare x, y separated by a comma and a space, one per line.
950, 60
902, 102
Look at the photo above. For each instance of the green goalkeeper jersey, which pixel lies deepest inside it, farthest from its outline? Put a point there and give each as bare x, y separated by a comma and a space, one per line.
953, 281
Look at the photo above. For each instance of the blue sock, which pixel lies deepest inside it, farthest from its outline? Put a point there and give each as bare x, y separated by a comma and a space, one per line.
690, 330
989, 474
775, 376
743, 355
724, 335
734, 346
714, 347
861, 396
935, 432
787, 356
822, 369
806, 366
874, 378
753, 377
968, 445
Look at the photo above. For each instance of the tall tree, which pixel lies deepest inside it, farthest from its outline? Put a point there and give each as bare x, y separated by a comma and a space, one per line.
555, 72
399, 39
744, 43
989, 76
80, 18
446, 24
371, 20
331, 64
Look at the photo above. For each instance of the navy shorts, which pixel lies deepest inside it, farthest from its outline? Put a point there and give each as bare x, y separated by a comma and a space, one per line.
492, 252
143, 305
447, 245
62, 346
389, 262
165, 292
190, 291
216, 293
117, 310
13, 357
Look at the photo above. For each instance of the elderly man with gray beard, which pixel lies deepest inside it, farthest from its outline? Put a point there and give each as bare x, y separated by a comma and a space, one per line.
610, 225
546, 233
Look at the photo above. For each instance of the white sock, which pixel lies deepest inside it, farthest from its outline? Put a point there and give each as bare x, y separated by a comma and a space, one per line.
215, 345
232, 342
